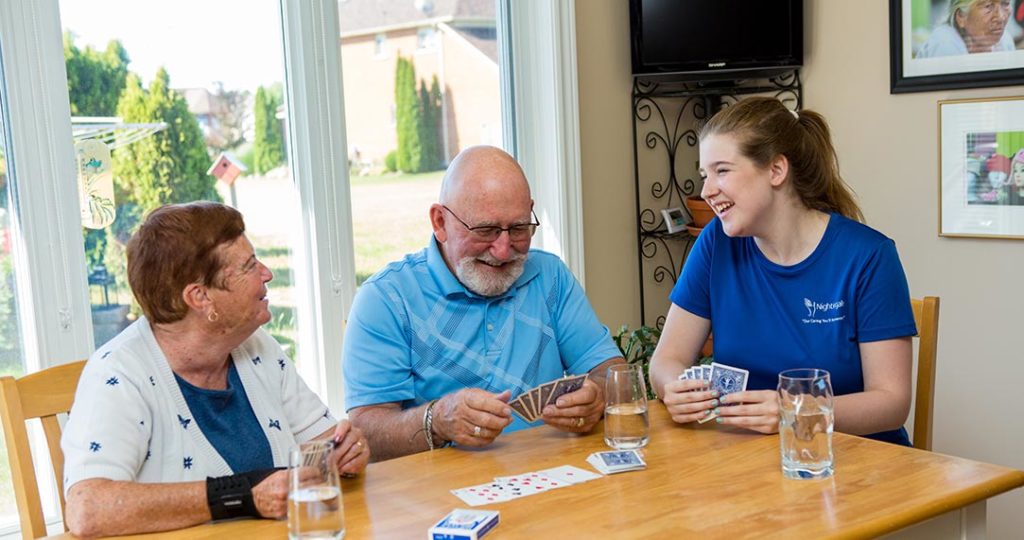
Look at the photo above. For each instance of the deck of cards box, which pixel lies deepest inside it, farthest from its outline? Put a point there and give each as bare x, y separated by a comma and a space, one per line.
530, 404
725, 379
462, 524
616, 461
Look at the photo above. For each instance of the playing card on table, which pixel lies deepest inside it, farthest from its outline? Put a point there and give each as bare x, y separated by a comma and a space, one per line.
489, 493
530, 483
616, 461
570, 474
565, 385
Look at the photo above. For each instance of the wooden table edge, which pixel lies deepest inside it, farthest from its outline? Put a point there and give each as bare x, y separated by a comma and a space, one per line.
1012, 479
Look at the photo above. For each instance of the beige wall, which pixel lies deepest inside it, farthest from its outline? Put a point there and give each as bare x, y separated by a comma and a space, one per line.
887, 150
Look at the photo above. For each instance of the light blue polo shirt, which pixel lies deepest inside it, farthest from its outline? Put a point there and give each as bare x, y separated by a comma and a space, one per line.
415, 333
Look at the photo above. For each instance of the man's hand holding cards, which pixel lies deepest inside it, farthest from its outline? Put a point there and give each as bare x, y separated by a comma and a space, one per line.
571, 403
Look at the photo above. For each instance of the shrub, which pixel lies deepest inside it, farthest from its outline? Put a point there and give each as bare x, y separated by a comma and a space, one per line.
391, 161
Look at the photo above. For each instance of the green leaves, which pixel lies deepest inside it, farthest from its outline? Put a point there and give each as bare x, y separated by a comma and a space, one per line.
637, 347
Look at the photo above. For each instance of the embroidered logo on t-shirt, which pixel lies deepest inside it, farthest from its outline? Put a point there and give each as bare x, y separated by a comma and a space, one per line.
823, 312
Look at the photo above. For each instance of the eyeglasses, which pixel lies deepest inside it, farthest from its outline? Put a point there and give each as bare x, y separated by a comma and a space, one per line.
490, 233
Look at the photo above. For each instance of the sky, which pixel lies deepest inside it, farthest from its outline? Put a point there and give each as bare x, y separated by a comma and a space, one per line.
199, 42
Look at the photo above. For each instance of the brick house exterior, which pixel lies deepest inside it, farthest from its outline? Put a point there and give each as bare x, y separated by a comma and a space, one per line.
452, 39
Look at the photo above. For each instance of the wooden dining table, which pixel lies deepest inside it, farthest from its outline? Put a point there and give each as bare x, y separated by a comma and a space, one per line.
701, 481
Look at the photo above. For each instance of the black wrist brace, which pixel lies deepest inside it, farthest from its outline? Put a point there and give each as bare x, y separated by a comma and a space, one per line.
230, 497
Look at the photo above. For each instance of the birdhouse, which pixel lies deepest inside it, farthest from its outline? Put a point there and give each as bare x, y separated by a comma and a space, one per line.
226, 168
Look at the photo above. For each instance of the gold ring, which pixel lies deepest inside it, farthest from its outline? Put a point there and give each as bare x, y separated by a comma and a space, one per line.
476, 431
580, 421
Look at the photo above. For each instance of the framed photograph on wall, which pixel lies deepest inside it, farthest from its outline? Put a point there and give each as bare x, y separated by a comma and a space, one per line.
945, 44
981, 168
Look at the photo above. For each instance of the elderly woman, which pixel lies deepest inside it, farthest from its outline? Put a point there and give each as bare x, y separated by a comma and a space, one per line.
974, 26
189, 413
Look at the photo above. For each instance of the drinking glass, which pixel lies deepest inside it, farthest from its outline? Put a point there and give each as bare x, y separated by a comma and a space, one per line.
314, 493
625, 410
805, 429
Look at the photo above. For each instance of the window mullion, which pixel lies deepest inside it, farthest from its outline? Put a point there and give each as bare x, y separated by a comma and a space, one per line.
53, 292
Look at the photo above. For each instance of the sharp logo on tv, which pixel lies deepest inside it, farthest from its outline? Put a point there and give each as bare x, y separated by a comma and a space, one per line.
716, 64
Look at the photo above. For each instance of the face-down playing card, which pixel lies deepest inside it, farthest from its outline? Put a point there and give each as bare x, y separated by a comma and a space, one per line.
566, 385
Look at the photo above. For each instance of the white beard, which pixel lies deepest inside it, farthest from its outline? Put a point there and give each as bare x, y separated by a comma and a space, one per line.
489, 282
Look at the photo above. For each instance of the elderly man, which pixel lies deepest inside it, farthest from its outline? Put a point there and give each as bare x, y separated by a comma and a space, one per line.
974, 26
438, 342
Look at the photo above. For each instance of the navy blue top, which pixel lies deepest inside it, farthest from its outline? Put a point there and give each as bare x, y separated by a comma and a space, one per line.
226, 419
815, 314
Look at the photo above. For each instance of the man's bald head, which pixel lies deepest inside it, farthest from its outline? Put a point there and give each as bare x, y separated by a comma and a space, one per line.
482, 173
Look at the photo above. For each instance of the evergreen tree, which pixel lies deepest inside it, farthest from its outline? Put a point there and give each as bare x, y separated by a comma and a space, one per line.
427, 130
95, 79
167, 167
437, 105
268, 142
405, 111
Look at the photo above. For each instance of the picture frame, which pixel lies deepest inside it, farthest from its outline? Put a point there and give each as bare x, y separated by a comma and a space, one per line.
924, 51
675, 219
981, 168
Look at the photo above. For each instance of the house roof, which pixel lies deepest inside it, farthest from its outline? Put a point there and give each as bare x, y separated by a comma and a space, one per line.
201, 101
357, 17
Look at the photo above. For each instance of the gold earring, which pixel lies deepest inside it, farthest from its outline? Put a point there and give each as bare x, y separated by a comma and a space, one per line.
213, 316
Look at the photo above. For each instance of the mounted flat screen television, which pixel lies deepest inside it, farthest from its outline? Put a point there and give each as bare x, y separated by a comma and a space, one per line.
702, 39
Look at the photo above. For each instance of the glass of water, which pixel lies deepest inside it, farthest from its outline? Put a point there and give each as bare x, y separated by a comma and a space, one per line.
805, 431
314, 493
625, 411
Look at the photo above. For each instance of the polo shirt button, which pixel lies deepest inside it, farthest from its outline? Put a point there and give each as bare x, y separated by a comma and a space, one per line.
490, 327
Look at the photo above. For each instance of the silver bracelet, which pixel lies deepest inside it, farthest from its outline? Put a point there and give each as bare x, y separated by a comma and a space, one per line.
428, 427
428, 424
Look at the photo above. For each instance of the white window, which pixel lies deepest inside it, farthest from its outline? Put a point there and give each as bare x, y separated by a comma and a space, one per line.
49, 320
426, 38
380, 46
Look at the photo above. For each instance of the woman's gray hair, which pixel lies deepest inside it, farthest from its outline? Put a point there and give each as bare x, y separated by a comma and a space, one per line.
955, 6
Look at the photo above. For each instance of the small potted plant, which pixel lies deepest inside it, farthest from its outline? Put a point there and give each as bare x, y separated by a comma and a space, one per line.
700, 210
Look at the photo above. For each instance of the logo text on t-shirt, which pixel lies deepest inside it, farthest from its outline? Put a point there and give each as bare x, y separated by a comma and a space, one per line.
823, 312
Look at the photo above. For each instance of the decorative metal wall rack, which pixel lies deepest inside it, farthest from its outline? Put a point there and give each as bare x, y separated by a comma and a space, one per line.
666, 120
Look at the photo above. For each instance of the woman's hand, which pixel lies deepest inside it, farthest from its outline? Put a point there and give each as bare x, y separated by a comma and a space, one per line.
351, 451
689, 400
756, 410
271, 495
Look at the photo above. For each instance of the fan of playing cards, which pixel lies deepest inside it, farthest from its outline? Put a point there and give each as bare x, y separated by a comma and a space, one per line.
725, 379
530, 405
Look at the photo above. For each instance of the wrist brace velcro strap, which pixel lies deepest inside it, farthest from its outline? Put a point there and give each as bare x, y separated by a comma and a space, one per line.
230, 497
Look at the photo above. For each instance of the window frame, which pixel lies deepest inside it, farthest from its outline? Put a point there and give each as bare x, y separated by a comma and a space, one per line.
56, 320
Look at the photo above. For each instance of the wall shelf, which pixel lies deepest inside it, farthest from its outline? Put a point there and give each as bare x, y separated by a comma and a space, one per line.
666, 119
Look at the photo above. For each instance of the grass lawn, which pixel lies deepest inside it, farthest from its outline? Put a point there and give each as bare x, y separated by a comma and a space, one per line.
390, 217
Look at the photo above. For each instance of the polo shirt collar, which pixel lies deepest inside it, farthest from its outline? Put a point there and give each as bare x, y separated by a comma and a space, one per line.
450, 285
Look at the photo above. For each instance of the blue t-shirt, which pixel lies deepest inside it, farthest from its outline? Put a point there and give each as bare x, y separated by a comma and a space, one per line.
767, 318
226, 419
415, 333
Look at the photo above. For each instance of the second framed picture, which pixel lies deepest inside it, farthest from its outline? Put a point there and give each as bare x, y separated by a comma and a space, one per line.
981, 168
946, 44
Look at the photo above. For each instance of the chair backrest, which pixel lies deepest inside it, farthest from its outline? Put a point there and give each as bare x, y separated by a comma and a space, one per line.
41, 395
926, 316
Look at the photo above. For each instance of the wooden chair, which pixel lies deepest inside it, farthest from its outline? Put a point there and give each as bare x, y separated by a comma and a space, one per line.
41, 395
926, 316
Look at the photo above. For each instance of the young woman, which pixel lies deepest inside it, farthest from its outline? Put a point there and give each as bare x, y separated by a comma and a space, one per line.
787, 276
